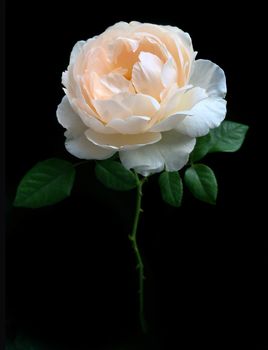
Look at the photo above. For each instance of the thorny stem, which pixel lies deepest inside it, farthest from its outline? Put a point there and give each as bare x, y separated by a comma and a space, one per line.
140, 266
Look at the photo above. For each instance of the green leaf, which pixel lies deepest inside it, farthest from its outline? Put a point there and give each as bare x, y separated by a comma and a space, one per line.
112, 174
201, 148
47, 183
171, 188
228, 137
201, 181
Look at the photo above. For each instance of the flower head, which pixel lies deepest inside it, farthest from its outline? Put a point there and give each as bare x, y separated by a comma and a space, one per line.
137, 89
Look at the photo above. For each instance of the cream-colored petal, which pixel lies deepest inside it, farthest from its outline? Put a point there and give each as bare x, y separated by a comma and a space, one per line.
183, 36
126, 52
190, 98
82, 148
89, 120
171, 152
205, 115
168, 123
77, 89
176, 45
112, 108
130, 125
140, 104
125, 105
116, 83
120, 141
169, 74
76, 50
76, 143
175, 149
144, 160
210, 77
121, 47
146, 75
104, 87
69, 119
181, 101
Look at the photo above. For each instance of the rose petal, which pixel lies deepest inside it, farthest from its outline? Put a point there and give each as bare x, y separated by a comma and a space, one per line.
188, 99
104, 87
146, 75
112, 108
184, 36
175, 149
130, 125
206, 115
120, 141
69, 119
125, 105
169, 73
178, 44
168, 123
88, 119
76, 89
76, 143
140, 104
145, 160
116, 83
82, 148
76, 50
171, 152
209, 76
181, 101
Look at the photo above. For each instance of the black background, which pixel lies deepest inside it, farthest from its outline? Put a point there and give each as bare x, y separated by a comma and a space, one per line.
70, 272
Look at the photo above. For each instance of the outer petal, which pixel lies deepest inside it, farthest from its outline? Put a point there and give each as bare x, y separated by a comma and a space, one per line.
76, 50
168, 123
82, 148
171, 152
120, 141
76, 142
206, 115
184, 36
175, 149
209, 76
88, 119
179, 102
69, 119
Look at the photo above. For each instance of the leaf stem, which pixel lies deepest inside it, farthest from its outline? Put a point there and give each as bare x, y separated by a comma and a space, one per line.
80, 163
140, 265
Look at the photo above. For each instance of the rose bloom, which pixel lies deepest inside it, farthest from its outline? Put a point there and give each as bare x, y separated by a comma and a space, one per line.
137, 90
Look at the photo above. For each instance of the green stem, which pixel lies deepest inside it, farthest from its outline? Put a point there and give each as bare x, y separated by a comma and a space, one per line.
80, 163
140, 266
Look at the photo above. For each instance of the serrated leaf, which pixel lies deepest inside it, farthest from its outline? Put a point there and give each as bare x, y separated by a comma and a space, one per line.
201, 148
201, 181
228, 137
171, 188
48, 182
113, 175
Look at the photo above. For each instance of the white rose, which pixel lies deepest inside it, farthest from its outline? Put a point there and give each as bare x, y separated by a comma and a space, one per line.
137, 89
